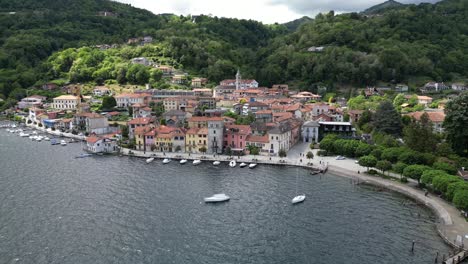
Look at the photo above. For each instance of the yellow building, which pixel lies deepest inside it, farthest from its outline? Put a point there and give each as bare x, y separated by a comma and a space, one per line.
196, 139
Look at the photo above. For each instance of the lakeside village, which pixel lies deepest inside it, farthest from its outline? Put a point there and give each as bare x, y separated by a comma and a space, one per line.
237, 117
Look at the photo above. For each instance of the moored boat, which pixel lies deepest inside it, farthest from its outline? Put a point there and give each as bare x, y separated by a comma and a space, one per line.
196, 162
252, 165
220, 197
243, 164
63, 142
216, 162
166, 160
149, 160
232, 163
22, 134
183, 161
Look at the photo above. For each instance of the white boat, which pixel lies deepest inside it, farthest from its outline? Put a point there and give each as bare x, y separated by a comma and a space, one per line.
83, 155
34, 133
232, 163
220, 197
166, 160
46, 138
252, 165
22, 134
216, 162
196, 162
149, 160
242, 165
298, 199
39, 138
183, 161
63, 142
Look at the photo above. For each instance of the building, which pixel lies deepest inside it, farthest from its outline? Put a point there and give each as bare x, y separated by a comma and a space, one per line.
141, 110
259, 141
31, 101
280, 139
178, 79
235, 137
401, 88
306, 96
205, 92
459, 86
355, 115
196, 140
424, 100
315, 49
141, 60
97, 144
434, 87
215, 135
138, 122
199, 82
66, 102
128, 99
310, 132
101, 91
436, 117
344, 129
239, 83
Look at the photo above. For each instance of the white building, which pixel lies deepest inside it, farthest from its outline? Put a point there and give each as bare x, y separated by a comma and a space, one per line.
279, 139
27, 102
126, 99
66, 102
310, 132
101, 145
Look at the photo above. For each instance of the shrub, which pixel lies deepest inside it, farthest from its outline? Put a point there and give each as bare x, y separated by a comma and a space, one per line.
399, 167
441, 182
415, 171
368, 161
310, 155
391, 154
454, 187
429, 175
383, 165
445, 167
322, 153
372, 172
377, 153
363, 149
460, 199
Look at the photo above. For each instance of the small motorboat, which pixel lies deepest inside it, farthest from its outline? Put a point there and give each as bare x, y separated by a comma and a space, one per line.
252, 165
46, 139
232, 163
220, 197
83, 155
183, 161
298, 199
39, 138
243, 164
216, 162
196, 162
149, 160
63, 142
166, 161
22, 134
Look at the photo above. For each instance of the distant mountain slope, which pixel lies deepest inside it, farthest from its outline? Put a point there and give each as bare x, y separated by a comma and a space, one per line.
390, 4
293, 25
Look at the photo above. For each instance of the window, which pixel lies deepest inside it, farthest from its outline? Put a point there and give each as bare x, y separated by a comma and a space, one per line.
240, 137
276, 138
214, 131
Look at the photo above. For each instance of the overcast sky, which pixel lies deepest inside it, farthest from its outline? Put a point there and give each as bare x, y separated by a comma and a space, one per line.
267, 11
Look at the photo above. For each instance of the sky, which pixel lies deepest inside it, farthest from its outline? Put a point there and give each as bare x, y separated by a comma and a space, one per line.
266, 11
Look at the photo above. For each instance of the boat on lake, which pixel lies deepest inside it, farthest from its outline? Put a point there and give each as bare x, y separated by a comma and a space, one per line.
63, 142
183, 161
220, 197
149, 160
196, 162
216, 162
252, 165
298, 199
232, 163
83, 155
166, 161
242, 165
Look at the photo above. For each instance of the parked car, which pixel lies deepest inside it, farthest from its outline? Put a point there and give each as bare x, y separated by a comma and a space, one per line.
340, 158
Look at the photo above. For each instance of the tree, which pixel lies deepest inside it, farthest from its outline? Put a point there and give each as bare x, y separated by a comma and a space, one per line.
429, 175
203, 149
124, 131
399, 167
387, 120
310, 155
253, 150
415, 171
383, 165
368, 161
442, 181
108, 102
282, 153
450, 169
418, 135
454, 187
460, 199
455, 124
137, 74
366, 118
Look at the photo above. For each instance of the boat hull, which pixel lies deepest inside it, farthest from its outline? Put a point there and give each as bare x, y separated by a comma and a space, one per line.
298, 199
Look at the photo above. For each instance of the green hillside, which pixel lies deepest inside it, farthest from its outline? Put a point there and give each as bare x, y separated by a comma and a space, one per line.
426, 41
385, 6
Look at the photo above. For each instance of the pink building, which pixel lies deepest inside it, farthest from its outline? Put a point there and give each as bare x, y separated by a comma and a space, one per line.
235, 137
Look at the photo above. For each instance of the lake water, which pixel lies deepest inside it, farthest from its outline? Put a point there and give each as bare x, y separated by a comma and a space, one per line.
107, 209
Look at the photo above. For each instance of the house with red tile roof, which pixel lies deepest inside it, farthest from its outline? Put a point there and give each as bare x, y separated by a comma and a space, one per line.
235, 137
436, 117
138, 122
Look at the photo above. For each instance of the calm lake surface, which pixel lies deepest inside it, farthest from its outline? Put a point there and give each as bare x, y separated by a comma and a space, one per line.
107, 209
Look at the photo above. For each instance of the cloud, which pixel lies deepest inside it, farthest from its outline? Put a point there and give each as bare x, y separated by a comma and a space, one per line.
307, 7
